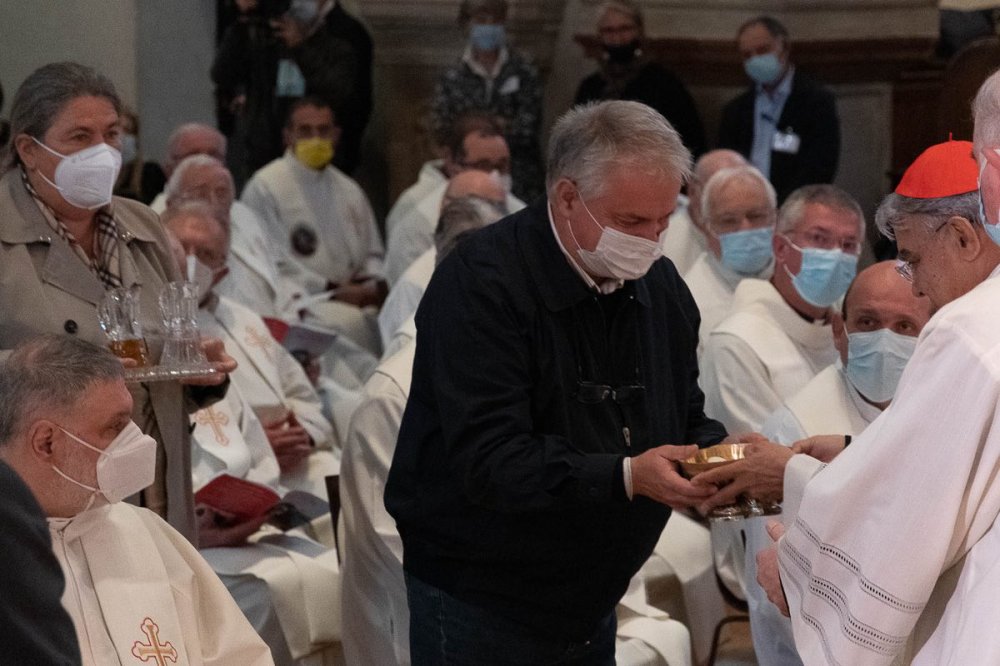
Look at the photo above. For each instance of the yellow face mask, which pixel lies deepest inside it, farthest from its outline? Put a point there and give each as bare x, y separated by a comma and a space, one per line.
315, 153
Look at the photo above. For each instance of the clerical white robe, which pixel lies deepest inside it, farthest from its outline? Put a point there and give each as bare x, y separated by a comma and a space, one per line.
254, 279
287, 585
430, 176
712, 285
683, 243
135, 587
274, 384
828, 405
895, 547
375, 612
405, 295
321, 218
414, 234
760, 355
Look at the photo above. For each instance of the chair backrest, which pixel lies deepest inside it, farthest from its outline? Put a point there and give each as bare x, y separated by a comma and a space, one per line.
333, 495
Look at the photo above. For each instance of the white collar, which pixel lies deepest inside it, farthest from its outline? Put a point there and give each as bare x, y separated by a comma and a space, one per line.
481, 71
606, 285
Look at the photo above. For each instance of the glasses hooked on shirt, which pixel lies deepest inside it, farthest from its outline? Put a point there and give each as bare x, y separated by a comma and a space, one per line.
592, 393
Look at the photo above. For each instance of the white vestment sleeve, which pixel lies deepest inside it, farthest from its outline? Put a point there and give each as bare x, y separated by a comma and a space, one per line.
225, 637
303, 400
737, 386
906, 501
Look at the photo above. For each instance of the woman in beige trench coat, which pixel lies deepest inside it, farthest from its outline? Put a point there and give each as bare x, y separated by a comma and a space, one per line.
64, 240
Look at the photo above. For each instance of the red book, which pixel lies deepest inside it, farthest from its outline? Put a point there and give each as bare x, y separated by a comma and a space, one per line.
241, 498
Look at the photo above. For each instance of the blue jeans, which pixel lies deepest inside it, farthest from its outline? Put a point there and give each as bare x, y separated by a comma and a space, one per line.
445, 631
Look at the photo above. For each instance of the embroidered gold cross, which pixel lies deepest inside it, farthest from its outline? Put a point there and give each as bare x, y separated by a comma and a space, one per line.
255, 338
158, 652
215, 420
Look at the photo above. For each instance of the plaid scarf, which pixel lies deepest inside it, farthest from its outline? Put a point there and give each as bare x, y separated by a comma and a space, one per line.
106, 264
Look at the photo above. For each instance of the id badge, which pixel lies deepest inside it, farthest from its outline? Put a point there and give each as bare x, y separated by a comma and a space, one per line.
786, 142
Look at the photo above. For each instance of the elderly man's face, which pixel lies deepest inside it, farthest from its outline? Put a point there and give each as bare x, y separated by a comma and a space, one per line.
935, 268
199, 142
741, 205
203, 237
210, 184
103, 411
820, 227
632, 201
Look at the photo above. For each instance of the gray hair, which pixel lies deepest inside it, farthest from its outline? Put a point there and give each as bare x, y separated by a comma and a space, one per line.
460, 217
588, 139
986, 113
48, 374
627, 7
831, 196
172, 189
46, 92
721, 178
181, 133
470, 8
898, 211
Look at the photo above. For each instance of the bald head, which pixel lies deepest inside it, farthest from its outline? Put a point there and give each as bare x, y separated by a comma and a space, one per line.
879, 298
475, 183
193, 139
707, 166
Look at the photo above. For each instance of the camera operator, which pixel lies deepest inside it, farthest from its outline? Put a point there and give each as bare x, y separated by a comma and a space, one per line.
278, 51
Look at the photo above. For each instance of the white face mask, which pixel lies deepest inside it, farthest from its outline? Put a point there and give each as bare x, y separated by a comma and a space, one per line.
125, 467
86, 179
876, 360
504, 180
618, 255
201, 276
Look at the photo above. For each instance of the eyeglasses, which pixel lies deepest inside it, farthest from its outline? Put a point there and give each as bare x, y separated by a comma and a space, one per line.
728, 223
590, 393
824, 241
905, 268
503, 166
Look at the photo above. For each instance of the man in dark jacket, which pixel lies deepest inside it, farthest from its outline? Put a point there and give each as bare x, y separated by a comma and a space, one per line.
555, 366
34, 626
785, 124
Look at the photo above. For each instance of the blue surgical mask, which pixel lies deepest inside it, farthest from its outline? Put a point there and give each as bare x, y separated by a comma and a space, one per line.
993, 230
487, 36
747, 252
304, 11
764, 68
876, 360
824, 275
130, 148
